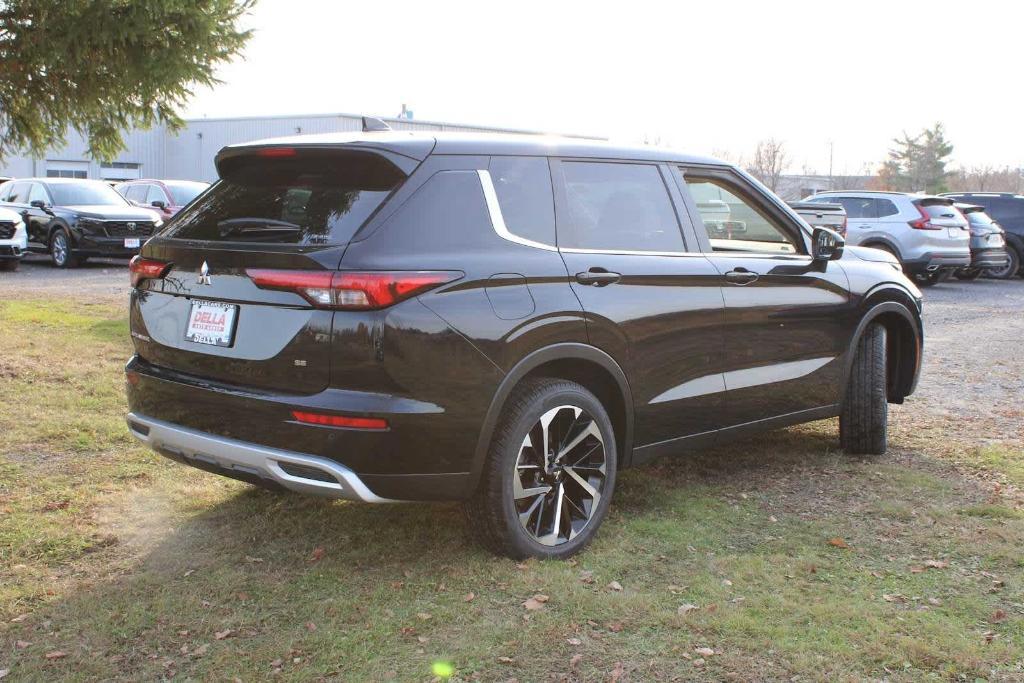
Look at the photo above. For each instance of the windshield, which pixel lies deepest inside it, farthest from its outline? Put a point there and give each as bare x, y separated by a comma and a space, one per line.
183, 193
85, 194
308, 199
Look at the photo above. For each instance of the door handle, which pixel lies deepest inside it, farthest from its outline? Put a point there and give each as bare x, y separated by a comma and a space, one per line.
598, 277
740, 276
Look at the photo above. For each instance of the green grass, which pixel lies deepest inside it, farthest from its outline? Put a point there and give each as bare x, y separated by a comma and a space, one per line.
132, 565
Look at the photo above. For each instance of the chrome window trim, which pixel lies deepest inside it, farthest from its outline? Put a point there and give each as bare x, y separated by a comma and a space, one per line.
498, 220
630, 252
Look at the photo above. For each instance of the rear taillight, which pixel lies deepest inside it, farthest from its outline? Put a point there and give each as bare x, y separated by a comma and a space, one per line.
140, 269
924, 222
345, 421
349, 290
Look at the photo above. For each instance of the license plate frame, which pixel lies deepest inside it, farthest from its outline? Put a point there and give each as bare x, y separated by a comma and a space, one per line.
132, 243
212, 330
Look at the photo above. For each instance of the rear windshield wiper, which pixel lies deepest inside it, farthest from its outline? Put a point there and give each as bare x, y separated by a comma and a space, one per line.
255, 226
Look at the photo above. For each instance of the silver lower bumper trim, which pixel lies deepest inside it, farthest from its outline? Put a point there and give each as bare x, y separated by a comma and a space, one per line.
253, 459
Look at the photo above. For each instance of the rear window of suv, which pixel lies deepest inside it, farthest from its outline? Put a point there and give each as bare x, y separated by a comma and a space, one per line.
939, 210
305, 199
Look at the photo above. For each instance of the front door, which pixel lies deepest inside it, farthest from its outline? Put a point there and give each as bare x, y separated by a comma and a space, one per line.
788, 320
652, 300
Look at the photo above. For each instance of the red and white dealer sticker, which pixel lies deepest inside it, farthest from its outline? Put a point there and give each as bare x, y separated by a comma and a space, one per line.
211, 322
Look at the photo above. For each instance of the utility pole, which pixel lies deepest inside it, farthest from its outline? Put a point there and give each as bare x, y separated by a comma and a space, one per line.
831, 149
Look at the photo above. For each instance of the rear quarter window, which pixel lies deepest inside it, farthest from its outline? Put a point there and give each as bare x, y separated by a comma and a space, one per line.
523, 187
314, 198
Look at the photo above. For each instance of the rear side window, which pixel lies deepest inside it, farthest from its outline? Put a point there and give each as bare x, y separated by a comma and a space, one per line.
859, 207
309, 198
622, 207
523, 186
885, 208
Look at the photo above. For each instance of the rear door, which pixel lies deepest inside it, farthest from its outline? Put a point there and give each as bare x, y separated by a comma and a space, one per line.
294, 212
652, 300
788, 320
861, 218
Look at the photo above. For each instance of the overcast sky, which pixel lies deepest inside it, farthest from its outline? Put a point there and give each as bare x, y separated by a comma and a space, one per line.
708, 77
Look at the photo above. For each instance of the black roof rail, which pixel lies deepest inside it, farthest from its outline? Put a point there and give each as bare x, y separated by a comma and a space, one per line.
372, 124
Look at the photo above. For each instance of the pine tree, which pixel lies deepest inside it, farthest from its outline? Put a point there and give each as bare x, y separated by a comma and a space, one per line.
101, 67
918, 164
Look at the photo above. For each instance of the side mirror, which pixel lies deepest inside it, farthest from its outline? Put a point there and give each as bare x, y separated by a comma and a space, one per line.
159, 204
826, 245
39, 204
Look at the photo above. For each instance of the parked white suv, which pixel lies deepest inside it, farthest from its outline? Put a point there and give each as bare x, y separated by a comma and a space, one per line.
926, 233
13, 239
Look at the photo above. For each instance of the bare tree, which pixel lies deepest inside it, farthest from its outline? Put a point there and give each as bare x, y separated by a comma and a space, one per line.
986, 179
769, 162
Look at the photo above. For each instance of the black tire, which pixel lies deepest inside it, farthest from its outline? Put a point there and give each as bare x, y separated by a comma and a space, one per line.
932, 278
9, 264
494, 515
864, 417
1009, 270
968, 274
61, 250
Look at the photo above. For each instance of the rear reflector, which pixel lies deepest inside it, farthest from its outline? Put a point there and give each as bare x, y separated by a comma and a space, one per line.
351, 291
340, 420
140, 269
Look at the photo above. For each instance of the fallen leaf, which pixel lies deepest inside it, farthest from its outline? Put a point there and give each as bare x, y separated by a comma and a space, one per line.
221, 635
56, 505
587, 576
4, 672
318, 554
536, 602
698, 662
936, 564
574, 641
990, 636
617, 672
894, 597
468, 597
423, 615
998, 616
615, 586
56, 654
21, 644
772, 518
575, 661
276, 663
686, 607
615, 626
201, 650
726, 582
249, 558
704, 651
934, 601
837, 542
310, 626
20, 617
505, 660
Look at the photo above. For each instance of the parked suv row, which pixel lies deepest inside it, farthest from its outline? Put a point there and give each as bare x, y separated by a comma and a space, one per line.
928, 236
504, 320
1007, 209
73, 219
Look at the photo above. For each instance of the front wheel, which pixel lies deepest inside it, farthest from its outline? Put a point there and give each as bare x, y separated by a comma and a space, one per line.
864, 418
549, 475
60, 250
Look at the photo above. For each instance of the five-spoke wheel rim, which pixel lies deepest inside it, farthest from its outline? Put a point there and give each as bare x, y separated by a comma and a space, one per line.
560, 475
60, 248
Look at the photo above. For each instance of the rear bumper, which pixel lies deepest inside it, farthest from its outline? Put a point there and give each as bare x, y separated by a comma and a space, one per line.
930, 262
295, 471
989, 258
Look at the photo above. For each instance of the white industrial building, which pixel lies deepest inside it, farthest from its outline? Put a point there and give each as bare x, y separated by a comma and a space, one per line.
188, 153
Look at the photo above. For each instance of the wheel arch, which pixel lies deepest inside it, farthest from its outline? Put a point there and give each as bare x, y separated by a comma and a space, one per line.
893, 308
582, 363
891, 245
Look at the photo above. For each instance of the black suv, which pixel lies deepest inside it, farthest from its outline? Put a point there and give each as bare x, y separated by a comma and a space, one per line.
74, 219
507, 320
1007, 209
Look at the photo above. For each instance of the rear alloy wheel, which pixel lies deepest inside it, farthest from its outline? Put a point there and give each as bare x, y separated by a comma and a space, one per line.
864, 418
60, 250
550, 473
1009, 270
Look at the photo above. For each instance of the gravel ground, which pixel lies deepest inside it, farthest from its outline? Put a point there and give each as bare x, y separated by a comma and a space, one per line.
974, 340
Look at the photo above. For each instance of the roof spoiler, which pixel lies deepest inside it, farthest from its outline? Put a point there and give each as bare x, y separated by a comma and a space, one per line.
372, 124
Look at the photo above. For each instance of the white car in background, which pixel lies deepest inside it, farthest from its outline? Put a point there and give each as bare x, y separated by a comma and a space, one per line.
13, 239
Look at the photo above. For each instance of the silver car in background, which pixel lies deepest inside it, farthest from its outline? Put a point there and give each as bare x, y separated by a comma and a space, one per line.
988, 243
926, 233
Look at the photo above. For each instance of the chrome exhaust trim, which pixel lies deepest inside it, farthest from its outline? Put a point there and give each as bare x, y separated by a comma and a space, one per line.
253, 459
